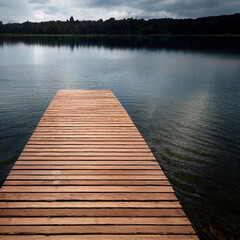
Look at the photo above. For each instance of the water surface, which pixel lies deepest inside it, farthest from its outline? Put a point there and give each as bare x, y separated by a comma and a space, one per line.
182, 93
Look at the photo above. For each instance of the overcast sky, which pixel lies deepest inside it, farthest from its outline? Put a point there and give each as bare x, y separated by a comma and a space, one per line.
44, 10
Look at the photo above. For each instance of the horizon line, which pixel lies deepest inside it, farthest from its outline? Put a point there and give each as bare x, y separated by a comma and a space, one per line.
113, 18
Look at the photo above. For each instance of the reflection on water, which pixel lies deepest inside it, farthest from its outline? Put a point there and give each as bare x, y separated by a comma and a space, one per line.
182, 93
209, 44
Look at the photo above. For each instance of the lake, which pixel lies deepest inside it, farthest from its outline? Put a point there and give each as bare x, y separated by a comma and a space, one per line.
183, 93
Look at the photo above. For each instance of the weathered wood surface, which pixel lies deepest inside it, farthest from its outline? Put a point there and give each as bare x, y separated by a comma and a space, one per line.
87, 173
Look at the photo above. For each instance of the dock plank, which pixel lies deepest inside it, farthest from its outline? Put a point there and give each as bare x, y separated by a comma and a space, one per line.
87, 173
103, 237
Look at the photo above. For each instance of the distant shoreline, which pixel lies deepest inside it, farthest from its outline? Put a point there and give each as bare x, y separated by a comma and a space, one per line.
113, 35
225, 25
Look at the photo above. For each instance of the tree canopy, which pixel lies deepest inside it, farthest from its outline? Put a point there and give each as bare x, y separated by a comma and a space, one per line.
226, 24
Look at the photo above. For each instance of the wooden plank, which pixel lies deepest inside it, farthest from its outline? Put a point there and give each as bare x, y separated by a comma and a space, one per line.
97, 130
86, 183
57, 163
84, 158
4, 221
84, 167
103, 124
102, 237
87, 197
119, 147
92, 204
88, 129
95, 189
87, 173
87, 154
86, 138
87, 150
92, 177
95, 229
84, 212
96, 150
83, 143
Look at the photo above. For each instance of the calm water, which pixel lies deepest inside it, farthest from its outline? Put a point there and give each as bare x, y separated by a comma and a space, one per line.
182, 93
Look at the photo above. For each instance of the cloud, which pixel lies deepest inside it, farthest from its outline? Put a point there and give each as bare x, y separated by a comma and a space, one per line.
13, 11
39, 1
35, 10
200, 8
167, 8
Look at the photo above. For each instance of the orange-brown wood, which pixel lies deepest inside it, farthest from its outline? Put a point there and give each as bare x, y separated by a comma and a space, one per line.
87, 173
87, 183
102, 236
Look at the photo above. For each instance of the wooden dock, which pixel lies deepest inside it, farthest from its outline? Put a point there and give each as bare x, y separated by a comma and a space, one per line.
87, 174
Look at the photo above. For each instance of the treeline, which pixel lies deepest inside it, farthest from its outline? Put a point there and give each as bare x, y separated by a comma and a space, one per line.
226, 24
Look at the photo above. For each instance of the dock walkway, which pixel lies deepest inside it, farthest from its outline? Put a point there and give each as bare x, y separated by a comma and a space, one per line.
87, 174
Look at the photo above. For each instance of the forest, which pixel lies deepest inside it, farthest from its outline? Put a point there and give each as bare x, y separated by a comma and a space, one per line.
217, 25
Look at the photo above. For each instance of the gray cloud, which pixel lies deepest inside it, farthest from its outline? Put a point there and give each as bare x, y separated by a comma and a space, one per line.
178, 8
39, 1
41, 10
13, 11
185, 8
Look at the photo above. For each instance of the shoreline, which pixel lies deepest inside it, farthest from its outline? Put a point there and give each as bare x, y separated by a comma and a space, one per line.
113, 35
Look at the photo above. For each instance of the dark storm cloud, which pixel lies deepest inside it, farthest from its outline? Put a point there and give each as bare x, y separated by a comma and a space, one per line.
22, 10
180, 8
177, 8
198, 8
109, 4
